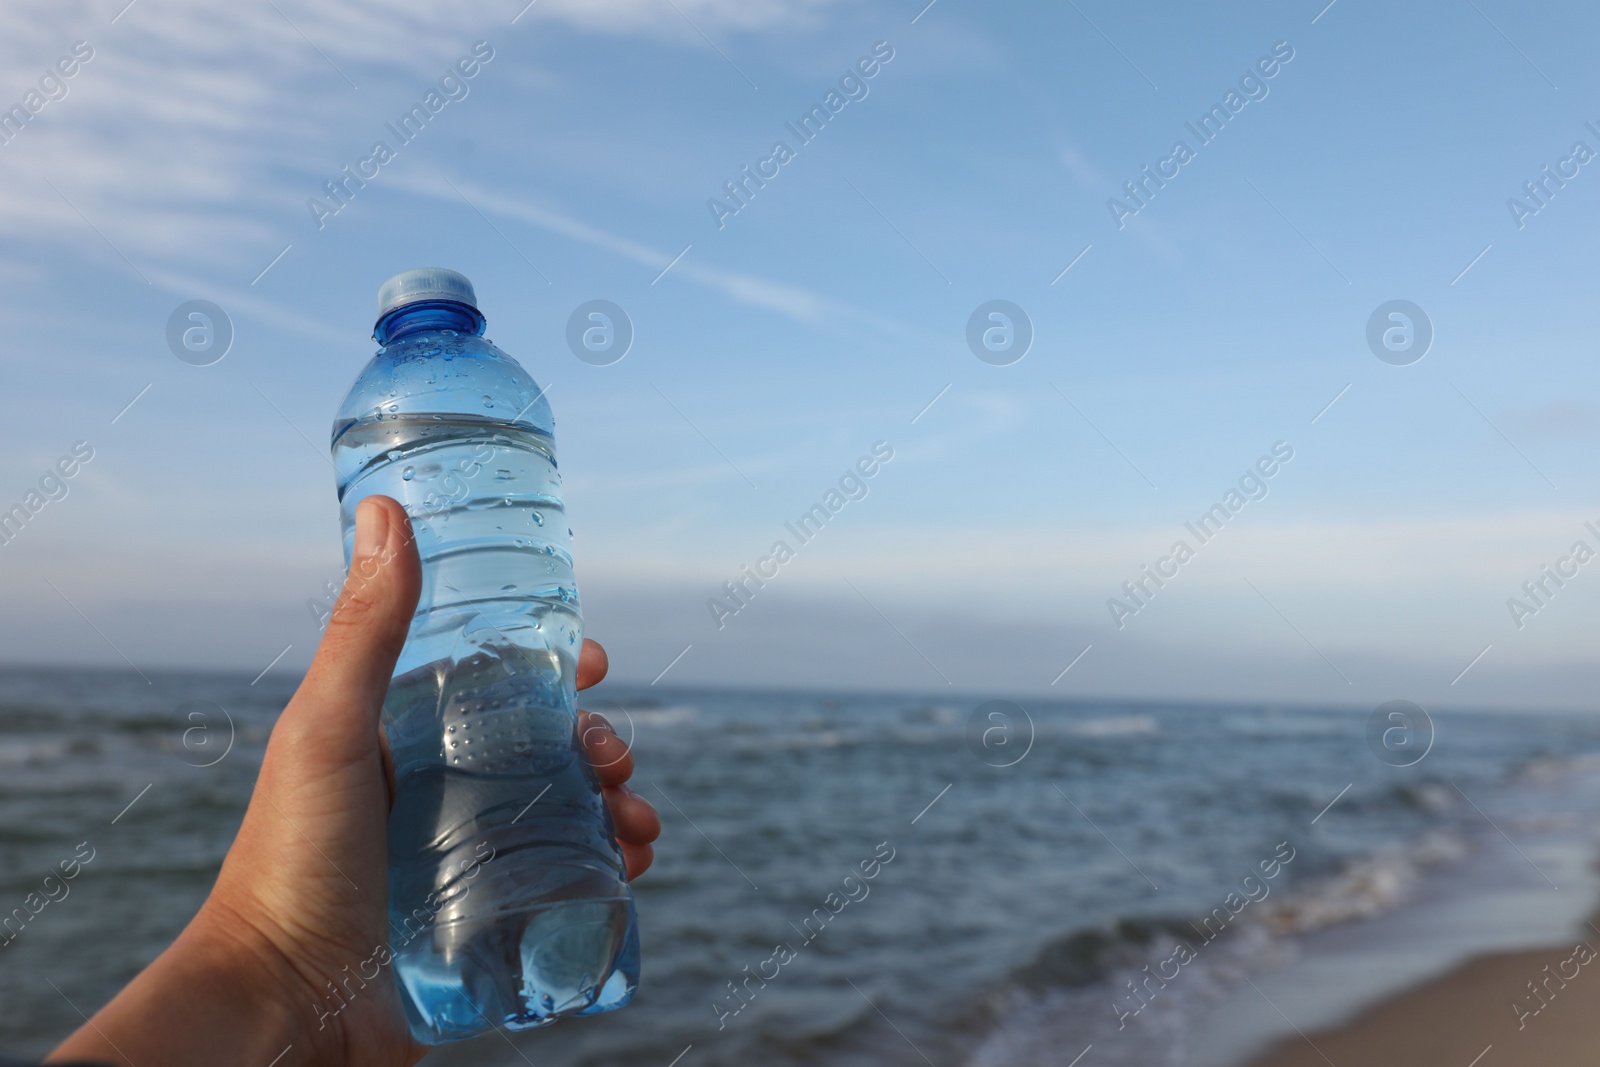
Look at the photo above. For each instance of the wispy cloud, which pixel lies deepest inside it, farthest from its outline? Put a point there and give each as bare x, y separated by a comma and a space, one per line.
189, 110
793, 301
635, 16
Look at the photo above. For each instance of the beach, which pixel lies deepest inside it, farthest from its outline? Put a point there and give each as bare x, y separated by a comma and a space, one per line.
1444, 978
1494, 958
1466, 1017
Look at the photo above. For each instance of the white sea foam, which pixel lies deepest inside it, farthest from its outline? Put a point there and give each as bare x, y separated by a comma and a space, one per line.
21, 751
1114, 726
676, 715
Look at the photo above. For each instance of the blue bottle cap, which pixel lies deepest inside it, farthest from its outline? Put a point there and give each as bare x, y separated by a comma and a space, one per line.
425, 283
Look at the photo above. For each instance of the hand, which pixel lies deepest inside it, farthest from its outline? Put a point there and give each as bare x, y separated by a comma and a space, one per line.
301, 902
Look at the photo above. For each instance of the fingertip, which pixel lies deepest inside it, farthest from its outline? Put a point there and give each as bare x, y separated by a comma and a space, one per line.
638, 858
636, 819
608, 754
593, 663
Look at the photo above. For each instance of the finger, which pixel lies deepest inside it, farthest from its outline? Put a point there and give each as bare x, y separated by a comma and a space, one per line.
634, 817
607, 752
350, 675
592, 664
638, 858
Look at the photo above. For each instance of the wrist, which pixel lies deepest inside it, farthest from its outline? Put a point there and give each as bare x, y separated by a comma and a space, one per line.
277, 1001
221, 993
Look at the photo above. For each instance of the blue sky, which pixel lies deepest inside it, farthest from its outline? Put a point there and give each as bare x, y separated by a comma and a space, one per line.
825, 315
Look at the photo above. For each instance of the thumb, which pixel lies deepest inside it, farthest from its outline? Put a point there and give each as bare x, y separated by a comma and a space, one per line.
365, 632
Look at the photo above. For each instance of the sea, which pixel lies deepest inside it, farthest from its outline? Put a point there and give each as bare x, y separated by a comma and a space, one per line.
852, 879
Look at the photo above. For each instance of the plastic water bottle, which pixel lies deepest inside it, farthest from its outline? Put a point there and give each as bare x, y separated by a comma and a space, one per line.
508, 896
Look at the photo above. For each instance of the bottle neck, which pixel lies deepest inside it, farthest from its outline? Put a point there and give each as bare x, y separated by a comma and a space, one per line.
428, 315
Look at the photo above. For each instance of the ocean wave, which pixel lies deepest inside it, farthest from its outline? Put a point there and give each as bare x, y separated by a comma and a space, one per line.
1431, 797
1114, 726
1365, 888
1272, 725
651, 715
1086, 956
1549, 768
940, 714
35, 749
1081, 989
1048, 1027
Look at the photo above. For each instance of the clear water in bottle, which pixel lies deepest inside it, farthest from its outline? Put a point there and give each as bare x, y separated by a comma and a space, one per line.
508, 898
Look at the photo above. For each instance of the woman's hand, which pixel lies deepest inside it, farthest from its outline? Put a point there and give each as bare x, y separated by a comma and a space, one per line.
301, 903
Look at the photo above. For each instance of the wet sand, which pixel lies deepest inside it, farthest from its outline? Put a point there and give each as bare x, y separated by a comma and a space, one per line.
1451, 1021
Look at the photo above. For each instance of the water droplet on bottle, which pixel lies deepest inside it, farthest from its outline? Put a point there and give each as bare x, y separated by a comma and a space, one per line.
538, 519
508, 587
409, 473
488, 401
